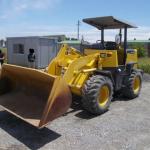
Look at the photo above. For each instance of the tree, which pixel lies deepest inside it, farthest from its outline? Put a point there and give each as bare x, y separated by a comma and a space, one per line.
140, 49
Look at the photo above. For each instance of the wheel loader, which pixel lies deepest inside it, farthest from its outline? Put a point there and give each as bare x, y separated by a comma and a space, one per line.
95, 73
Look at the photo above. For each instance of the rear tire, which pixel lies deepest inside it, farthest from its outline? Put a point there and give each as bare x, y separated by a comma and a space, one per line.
97, 94
133, 85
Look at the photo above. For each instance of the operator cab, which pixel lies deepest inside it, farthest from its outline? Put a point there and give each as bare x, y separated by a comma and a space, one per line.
109, 22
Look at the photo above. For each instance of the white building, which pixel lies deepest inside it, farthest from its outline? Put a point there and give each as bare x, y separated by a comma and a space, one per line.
18, 50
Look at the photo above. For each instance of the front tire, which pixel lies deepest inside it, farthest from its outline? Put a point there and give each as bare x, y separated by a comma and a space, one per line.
97, 94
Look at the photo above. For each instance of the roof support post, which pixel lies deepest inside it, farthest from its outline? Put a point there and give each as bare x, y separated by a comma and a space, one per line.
120, 34
102, 36
125, 45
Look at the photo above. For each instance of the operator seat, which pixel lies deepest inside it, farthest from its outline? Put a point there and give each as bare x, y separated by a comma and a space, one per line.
96, 46
110, 45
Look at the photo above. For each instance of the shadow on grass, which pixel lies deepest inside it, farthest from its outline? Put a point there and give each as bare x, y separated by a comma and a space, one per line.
30, 136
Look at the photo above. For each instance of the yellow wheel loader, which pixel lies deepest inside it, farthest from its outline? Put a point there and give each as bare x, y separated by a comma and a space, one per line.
95, 74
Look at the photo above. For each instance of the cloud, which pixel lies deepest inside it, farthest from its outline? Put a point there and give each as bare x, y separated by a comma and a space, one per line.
141, 33
15, 7
35, 4
91, 35
20, 7
4, 16
43, 4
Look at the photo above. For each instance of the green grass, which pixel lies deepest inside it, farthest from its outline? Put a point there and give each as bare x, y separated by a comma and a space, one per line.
144, 64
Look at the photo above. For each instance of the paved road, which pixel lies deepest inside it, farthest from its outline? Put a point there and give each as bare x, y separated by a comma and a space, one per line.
125, 126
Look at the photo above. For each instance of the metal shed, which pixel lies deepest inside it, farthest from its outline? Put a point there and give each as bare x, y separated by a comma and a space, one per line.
18, 50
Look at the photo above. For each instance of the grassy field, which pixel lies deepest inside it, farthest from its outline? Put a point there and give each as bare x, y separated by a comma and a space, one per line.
144, 64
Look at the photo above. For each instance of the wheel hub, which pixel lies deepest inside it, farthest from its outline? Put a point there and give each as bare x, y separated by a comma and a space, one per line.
104, 95
136, 85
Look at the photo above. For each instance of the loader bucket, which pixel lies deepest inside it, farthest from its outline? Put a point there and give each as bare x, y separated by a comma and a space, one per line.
32, 95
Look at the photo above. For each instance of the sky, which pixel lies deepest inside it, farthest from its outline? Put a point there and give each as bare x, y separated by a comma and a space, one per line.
50, 17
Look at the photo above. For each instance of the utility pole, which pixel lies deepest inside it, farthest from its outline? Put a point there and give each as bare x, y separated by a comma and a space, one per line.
78, 29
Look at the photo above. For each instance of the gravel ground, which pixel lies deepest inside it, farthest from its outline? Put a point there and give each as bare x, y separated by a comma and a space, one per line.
125, 126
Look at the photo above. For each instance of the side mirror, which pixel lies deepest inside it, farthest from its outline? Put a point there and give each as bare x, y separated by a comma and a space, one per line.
117, 39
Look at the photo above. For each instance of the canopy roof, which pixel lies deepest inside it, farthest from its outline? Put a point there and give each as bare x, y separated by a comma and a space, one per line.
108, 22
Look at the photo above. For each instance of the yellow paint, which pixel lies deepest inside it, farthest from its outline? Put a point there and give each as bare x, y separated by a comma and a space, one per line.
75, 68
111, 59
136, 85
103, 95
132, 58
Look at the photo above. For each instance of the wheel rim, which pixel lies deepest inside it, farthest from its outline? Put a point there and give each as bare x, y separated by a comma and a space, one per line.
136, 85
104, 95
